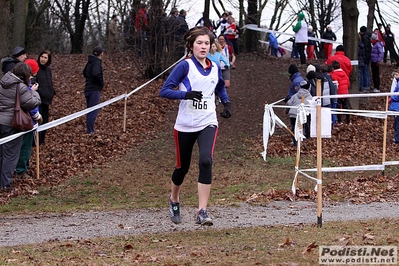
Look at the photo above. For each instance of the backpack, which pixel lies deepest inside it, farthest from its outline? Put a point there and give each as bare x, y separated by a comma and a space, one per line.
325, 102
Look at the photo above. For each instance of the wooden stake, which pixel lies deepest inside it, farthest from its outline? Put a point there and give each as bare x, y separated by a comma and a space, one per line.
384, 141
319, 155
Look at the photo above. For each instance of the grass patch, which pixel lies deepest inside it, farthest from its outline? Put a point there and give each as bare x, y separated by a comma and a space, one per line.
271, 245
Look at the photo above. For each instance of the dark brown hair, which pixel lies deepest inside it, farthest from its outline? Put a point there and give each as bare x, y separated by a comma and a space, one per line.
22, 71
192, 35
48, 53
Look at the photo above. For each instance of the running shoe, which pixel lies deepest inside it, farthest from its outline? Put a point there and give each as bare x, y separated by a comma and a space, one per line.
174, 211
203, 218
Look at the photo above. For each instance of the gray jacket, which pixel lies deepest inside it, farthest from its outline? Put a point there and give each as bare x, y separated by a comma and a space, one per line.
28, 99
296, 100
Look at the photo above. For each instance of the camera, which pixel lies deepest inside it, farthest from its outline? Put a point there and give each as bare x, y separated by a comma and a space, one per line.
32, 81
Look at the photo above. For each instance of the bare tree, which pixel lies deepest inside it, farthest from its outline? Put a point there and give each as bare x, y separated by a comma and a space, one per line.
5, 28
19, 23
350, 15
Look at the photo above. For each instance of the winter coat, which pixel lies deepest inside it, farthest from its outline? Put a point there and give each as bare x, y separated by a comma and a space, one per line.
343, 80
313, 35
93, 72
273, 40
360, 54
296, 79
296, 100
301, 30
28, 99
377, 52
45, 81
329, 35
395, 99
343, 60
366, 40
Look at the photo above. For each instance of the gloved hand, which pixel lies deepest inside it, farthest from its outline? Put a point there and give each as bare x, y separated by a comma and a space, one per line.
226, 110
286, 99
194, 95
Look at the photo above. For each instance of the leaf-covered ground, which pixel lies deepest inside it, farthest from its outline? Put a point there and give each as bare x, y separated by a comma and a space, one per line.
258, 79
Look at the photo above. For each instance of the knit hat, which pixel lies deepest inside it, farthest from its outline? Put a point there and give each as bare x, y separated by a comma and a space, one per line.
18, 51
310, 68
310, 28
304, 84
363, 29
97, 50
33, 65
301, 15
328, 26
292, 69
340, 48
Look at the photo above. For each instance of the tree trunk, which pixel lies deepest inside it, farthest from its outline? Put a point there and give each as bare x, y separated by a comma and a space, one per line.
350, 38
19, 23
5, 29
80, 21
205, 15
155, 40
252, 37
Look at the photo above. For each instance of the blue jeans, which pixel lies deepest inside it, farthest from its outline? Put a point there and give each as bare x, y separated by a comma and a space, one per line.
92, 99
364, 80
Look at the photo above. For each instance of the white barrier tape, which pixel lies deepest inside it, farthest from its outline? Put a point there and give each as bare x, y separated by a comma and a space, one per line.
391, 163
256, 28
371, 167
70, 117
151, 80
14, 136
268, 128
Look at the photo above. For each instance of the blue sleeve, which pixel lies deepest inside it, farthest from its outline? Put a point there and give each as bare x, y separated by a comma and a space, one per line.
168, 89
221, 88
222, 58
395, 98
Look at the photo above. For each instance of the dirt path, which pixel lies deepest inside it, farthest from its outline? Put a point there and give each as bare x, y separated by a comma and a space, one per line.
17, 230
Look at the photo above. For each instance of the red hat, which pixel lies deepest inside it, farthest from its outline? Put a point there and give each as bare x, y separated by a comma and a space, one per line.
33, 65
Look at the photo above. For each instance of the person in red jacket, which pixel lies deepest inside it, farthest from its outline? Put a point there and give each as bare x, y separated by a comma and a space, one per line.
141, 29
344, 61
340, 78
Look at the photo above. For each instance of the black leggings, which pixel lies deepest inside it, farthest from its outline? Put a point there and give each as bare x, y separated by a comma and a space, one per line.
301, 51
184, 142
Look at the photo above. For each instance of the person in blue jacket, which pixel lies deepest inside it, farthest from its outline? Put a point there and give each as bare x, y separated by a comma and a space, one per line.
395, 107
273, 44
296, 79
197, 79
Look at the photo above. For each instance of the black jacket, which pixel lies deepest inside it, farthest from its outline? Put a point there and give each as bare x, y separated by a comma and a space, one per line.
8, 63
45, 81
93, 72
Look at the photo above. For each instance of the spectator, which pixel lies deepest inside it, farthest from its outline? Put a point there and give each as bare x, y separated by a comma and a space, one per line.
366, 40
311, 43
29, 99
360, 56
230, 34
295, 78
46, 90
18, 55
294, 52
113, 33
313, 73
141, 29
340, 77
381, 35
327, 47
228, 53
343, 60
395, 107
129, 29
301, 36
390, 43
296, 100
377, 55
93, 73
273, 44
181, 30
27, 139
171, 27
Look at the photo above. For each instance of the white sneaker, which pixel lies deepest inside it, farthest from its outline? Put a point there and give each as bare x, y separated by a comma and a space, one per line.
376, 90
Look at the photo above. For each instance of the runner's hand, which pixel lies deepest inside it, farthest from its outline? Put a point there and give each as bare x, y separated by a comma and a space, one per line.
226, 111
194, 95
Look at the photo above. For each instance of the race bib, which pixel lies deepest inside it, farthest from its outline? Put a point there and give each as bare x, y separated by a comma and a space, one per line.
200, 107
